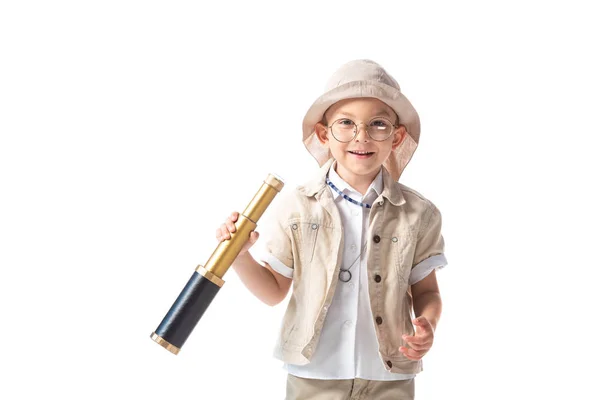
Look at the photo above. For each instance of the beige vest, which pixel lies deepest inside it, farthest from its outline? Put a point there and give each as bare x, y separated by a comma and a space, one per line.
306, 234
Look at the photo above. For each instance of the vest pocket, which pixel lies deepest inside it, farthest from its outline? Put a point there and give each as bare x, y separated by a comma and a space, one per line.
403, 246
304, 234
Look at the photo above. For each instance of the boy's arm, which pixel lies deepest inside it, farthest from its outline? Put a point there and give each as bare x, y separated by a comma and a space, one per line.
427, 301
268, 285
428, 307
429, 252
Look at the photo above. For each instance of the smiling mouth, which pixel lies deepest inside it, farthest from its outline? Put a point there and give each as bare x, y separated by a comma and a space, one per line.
361, 153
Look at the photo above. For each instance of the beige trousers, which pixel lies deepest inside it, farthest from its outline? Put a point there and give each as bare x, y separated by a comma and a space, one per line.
348, 389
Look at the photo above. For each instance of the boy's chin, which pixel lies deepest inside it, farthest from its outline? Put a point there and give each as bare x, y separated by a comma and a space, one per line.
361, 169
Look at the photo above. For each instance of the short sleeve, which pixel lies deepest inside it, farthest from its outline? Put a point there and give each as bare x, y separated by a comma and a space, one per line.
430, 241
275, 245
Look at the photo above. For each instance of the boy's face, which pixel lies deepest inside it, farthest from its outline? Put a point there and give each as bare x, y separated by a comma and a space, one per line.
360, 158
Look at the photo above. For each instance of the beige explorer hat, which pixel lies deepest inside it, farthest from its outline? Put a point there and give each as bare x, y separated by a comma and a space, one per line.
364, 78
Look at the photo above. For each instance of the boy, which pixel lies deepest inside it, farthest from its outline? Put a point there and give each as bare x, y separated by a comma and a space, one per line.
360, 248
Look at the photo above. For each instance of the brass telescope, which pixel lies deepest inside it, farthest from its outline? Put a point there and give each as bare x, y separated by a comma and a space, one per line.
206, 281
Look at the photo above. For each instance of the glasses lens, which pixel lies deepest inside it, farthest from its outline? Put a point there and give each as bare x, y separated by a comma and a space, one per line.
343, 130
380, 129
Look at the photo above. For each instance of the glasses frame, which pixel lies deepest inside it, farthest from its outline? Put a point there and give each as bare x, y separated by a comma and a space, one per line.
394, 127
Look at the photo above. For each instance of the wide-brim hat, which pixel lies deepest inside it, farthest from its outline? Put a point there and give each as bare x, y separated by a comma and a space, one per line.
364, 78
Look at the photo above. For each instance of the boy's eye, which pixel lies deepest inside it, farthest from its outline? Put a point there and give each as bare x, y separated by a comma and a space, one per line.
345, 122
380, 123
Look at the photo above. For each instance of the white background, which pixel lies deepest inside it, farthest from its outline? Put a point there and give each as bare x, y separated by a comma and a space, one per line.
131, 129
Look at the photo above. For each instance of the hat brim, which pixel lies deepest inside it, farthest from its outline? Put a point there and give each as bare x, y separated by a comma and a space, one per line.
391, 96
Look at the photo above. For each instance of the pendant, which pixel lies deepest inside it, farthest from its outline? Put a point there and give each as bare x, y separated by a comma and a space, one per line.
345, 275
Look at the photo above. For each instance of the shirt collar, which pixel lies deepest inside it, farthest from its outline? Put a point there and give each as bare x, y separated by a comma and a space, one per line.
376, 186
316, 185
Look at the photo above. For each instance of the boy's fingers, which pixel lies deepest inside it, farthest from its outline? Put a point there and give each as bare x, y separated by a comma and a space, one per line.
422, 322
412, 354
253, 237
417, 340
230, 226
234, 216
418, 347
423, 325
225, 233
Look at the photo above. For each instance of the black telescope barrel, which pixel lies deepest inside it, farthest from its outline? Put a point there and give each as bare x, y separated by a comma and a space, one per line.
187, 310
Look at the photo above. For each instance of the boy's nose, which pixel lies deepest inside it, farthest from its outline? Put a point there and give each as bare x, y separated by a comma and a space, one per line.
364, 136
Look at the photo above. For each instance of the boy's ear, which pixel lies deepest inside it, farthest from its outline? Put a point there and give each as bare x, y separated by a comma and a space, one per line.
399, 136
321, 132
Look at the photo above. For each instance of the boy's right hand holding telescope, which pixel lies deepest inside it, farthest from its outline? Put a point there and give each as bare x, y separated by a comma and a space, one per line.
265, 283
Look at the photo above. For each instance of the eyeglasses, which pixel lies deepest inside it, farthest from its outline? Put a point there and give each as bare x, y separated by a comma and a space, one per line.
345, 130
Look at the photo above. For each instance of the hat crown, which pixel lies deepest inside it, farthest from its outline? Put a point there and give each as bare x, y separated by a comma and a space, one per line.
360, 70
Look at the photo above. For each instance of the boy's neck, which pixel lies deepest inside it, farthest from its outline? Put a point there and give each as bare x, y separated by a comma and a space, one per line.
359, 182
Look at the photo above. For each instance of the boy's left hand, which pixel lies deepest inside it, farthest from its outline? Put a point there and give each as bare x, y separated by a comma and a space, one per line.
420, 342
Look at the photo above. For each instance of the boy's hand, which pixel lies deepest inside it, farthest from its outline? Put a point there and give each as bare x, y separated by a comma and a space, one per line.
420, 342
225, 230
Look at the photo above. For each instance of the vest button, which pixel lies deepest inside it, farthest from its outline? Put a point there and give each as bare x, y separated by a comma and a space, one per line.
379, 320
376, 239
377, 278
389, 363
